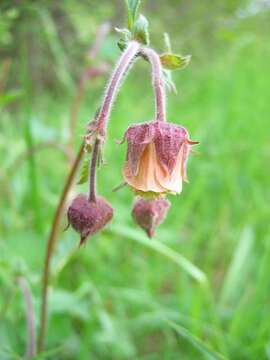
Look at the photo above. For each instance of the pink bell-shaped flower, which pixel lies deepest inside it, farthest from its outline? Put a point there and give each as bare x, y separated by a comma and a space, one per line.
156, 157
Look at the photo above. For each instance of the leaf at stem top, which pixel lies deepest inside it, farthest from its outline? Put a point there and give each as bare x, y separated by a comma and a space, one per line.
173, 61
132, 7
140, 31
126, 36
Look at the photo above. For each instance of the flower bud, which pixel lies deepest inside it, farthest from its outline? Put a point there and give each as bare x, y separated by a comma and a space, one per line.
149, 213
88, 217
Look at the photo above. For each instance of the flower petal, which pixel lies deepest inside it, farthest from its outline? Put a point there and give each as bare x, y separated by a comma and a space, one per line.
145, 179
168, 140
172, 182
138, 136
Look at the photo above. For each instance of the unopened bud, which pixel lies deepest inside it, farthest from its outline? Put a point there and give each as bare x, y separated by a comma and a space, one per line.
88, 217
149, 213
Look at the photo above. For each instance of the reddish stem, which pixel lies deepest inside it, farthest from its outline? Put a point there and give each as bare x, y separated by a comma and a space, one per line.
158, 83
50, 247
120, 70
103, 115
93, 170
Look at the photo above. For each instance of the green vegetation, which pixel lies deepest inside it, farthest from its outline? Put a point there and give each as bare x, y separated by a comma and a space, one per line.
200, 289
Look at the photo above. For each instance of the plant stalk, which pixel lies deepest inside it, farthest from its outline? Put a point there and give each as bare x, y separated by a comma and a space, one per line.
115, 81
50, 247
104, 112
93, 169
158, 83
121, 69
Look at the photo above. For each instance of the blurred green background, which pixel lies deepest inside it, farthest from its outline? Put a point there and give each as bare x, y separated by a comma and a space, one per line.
124, 296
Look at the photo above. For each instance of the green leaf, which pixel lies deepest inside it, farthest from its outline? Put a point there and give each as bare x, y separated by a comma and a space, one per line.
126, 36
84, 172
164, 250
140, 31
201, 346
173, 61
132, 7
122, 44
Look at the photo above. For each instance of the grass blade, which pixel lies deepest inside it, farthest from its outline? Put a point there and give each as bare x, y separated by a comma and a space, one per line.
164, 250
197, 343
238, 267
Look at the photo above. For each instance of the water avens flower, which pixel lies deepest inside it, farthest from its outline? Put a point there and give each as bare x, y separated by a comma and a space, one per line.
156, 157
89, 217
149, 213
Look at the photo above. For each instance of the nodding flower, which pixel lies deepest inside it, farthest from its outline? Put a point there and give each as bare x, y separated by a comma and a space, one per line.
149, 213
156, 157
89, 217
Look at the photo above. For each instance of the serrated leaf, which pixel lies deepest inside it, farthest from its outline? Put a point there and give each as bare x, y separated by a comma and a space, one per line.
140, 31
132, 7
173, 61
84, 172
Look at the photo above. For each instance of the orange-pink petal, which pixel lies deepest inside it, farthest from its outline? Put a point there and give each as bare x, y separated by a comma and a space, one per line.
152, 176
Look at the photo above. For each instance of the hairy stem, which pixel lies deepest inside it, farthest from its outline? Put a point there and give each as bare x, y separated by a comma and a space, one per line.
50, 247
104, 112
30, 317
93, 169
120, 70
158, 83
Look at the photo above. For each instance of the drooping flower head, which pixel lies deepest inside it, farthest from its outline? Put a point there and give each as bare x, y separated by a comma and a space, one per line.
156, 157
149, 213
89, 217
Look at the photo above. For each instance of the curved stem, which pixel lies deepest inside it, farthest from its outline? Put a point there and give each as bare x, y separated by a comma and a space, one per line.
120, 70
93, 168
104, 112
50, 247
158, 83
